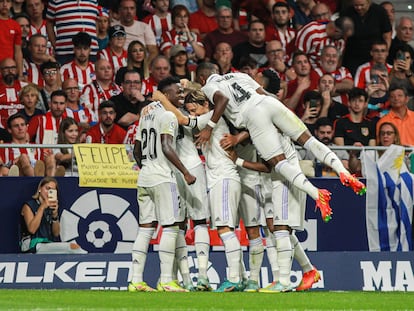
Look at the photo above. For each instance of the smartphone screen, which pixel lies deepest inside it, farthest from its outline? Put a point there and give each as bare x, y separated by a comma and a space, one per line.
400, 55
313, 103
52, 194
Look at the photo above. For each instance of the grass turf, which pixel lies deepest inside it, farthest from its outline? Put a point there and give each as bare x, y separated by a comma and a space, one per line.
121, 300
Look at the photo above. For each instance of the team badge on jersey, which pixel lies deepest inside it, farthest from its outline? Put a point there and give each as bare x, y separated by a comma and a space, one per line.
365, 131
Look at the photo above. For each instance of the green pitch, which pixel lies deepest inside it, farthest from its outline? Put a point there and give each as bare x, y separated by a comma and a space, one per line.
116, 300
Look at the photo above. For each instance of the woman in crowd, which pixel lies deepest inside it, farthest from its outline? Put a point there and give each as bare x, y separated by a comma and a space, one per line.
179, 63
136, 60
388, 134
68, 134
40, 226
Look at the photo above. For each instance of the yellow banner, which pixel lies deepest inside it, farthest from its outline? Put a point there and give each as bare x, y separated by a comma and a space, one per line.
106, 166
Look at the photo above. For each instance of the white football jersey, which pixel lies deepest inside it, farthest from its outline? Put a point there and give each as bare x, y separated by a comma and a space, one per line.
218, 164
155, 121
186, 148
240, 89
248, 177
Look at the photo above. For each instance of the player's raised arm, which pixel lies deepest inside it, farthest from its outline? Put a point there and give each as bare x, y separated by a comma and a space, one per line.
182, 119
220, 103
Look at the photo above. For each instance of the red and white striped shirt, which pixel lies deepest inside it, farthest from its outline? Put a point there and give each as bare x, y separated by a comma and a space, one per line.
170, 38
82, 115
42, 30
158, 25
44, 128
149, 86
340, 74
131, 133
312, 38
93, 94
363, 74
115, 60
33, 73
34, 30
286, 38
9, 95
9, 155
83, 76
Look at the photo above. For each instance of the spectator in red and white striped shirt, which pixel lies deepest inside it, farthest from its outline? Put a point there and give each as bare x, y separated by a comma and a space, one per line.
379, 54
24, 158
101, 89
181, 34
84, 116
34, 9
115, 52
80, 68
44, 129
312, 37
10, 85
280, 30
160, 69
37, 48
343, 79
160, 20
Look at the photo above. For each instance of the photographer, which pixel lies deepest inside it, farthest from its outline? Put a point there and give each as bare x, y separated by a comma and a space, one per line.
39, 221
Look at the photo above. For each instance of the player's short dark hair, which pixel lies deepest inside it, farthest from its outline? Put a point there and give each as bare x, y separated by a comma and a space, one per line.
81, 40
205, 66
164, 83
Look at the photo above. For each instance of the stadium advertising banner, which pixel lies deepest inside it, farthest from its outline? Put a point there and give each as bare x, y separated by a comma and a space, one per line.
362, 271
105, 220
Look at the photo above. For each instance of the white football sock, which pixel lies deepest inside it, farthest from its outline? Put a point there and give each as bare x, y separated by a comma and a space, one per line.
272, 256
139, 253
284, 255
300, 255
167, 253
256, 252
325, 155
181, 255
233, 251
243, 272
202, 247
294, 174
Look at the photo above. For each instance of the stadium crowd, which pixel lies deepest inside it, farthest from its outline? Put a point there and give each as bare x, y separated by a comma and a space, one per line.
342, 67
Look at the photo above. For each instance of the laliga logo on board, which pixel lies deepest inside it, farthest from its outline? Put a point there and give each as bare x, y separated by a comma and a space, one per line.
100, 223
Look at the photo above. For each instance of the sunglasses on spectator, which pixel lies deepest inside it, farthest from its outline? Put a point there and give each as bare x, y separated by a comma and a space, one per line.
49, 72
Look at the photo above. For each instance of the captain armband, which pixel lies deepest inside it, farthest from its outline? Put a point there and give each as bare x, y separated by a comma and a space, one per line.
192, 122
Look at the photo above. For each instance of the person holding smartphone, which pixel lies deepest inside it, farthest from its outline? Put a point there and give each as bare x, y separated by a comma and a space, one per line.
39, 222
313, 109
401, 73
